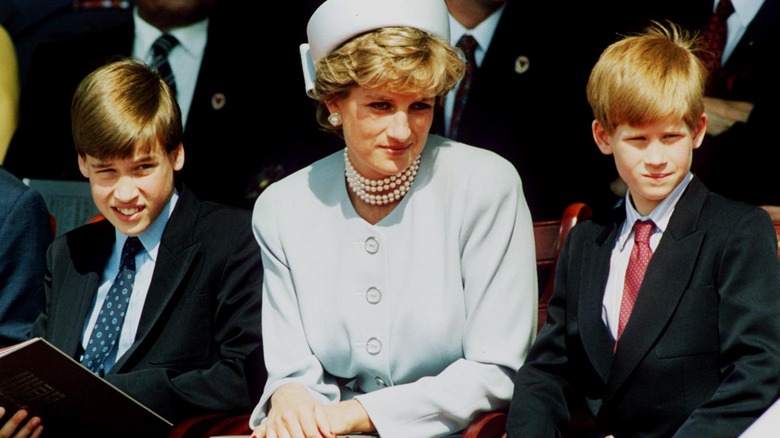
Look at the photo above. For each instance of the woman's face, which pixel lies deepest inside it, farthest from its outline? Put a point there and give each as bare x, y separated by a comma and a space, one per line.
384, 131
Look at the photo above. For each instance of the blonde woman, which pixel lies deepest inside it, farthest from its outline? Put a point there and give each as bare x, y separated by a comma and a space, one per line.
9, 91
399, 293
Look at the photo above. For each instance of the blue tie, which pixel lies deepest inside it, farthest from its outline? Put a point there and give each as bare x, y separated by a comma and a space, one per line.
105, 333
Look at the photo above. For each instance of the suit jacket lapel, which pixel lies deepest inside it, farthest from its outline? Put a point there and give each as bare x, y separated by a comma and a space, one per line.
739, 72
177, 253
765, 21
595, 335
664, 284
90, 251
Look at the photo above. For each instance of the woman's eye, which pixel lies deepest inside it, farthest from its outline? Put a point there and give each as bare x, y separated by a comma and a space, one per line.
380, 105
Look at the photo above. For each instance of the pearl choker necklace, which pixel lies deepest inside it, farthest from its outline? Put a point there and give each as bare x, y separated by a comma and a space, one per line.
380, 191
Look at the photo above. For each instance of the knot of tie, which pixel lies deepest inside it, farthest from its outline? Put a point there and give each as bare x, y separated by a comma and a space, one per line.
467, 44
161, 47
724, 9
643, 230
132, 246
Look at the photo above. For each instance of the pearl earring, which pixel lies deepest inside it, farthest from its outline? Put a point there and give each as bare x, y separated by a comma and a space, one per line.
335, 120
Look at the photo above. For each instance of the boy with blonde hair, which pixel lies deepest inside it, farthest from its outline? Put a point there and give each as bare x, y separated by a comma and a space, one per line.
668, 327
190, 340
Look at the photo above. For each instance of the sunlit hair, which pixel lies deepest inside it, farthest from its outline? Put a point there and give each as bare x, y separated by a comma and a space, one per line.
122, 105
403, 59
647, 78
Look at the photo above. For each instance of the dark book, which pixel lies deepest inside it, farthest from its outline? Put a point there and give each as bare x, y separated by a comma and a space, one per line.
68, 397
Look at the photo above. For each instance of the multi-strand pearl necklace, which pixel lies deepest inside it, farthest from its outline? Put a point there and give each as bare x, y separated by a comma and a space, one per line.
380, 191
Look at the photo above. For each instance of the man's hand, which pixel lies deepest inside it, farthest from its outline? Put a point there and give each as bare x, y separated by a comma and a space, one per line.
722, 114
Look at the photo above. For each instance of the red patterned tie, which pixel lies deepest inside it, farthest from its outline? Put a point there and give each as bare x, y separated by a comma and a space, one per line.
637, 264
713, 37
468, 45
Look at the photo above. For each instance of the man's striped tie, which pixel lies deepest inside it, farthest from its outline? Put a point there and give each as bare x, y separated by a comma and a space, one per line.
160, 49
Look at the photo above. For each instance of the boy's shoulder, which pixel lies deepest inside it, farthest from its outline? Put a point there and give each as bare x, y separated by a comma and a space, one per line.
727, 212
220, 217
207, 217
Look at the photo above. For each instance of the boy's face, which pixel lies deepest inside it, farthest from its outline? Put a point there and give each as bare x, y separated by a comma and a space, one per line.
131, 192
651, 159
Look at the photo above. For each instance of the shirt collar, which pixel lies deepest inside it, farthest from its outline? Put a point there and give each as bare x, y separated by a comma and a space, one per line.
745, 10
660, 214
152, 236
191, 38
483, 32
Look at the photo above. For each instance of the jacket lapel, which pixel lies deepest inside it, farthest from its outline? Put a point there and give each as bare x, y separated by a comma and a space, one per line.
765, 22
595, 335
665, 282
90, 248
177, 254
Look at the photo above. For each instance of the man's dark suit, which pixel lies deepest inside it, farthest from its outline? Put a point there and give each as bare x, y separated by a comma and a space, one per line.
198, 347
222, 147
25, 233
538, 119
699, 356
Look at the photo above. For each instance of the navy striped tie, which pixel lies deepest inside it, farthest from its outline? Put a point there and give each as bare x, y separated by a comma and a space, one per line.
160, 49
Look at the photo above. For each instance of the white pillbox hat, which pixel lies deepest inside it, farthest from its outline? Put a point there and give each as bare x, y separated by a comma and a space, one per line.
336, 21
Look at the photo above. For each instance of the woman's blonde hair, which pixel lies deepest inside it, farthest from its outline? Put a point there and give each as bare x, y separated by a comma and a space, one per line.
403, 59
648, 77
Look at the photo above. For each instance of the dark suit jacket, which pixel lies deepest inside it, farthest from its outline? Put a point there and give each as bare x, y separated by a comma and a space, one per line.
222, 147
25, 233
539, 119
699, 356
198, 346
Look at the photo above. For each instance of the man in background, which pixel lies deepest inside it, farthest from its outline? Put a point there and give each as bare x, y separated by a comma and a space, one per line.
220, 96
522, 83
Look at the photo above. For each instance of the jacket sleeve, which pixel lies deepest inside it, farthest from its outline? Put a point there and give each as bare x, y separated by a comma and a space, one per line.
748, 285
538, 407
26, 234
